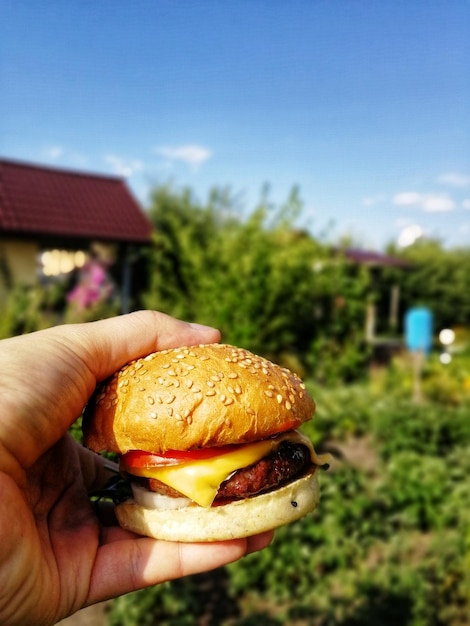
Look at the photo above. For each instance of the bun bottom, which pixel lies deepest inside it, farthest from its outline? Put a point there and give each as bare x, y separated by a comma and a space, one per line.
241, 518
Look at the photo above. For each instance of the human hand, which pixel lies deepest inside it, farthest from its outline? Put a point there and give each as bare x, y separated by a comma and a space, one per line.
55, 555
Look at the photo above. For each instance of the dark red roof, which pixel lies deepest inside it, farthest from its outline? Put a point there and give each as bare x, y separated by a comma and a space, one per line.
44, 201
369, 257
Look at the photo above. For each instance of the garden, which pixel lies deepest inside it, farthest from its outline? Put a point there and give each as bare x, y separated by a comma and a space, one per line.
390, 541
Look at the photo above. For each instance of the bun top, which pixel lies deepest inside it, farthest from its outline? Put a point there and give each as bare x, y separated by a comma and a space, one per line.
193, 397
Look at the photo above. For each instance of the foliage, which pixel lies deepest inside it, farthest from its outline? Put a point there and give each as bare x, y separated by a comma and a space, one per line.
266, 284
22, 311
27, 309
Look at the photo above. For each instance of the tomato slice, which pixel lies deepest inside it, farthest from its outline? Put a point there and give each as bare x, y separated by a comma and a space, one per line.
141, 459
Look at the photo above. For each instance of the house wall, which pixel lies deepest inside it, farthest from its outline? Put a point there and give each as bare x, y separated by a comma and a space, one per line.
18, 263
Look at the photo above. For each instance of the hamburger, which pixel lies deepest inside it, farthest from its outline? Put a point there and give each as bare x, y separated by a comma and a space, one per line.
208, 439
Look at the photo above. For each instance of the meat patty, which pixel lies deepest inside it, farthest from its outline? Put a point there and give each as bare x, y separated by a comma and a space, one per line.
287, 462
281, 466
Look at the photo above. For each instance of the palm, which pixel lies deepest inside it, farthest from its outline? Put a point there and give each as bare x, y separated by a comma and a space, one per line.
54, 537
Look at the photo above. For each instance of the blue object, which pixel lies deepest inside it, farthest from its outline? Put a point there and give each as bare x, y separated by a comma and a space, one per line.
418, 329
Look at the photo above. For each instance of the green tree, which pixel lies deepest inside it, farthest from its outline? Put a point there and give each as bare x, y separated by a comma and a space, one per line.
267, 284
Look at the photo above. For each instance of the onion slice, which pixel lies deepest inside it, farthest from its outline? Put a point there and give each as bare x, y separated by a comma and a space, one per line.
152, 500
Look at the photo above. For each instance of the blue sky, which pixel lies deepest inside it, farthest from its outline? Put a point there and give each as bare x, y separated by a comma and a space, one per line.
364, 104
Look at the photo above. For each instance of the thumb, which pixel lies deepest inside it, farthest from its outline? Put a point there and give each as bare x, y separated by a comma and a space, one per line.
47, 377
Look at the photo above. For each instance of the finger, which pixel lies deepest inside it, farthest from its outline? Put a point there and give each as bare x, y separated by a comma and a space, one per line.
259, 542
124, 566
107, 345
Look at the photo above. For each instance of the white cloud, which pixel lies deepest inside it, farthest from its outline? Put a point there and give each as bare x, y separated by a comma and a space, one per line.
67, 158
53, 153
466, 204
407, 198
190, 154
409, 235
455, 179
123, 167
437, 204
429, 203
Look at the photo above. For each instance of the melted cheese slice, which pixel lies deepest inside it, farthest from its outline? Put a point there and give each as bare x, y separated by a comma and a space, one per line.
200, 480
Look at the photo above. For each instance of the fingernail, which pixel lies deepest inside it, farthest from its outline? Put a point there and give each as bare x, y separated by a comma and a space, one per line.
200, 327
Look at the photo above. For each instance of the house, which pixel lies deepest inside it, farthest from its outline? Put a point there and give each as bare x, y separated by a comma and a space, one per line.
52, 220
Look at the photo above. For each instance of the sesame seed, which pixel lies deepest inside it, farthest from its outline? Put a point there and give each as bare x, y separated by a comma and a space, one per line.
228, 401
279, 398
165, 366
170, 398
223, 397
269, 393
196, 389
189, 383
288, 405
151, 400
210, 383
233, 375
153, 416
211, 392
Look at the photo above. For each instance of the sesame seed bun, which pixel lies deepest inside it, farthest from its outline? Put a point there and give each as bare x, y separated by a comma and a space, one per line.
194, 397
241, 518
